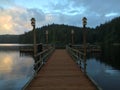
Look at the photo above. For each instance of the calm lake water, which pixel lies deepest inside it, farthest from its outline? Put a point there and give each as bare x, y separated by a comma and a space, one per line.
17, 69
107, 77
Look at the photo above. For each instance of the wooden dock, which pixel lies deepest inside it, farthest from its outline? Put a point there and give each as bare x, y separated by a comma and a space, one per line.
60, 73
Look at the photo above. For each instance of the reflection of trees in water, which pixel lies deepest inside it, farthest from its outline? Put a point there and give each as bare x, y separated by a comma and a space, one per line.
110, 55
97, 56
8, 48
26, 54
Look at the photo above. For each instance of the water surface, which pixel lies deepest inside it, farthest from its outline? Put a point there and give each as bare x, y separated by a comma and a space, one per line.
15, 70
106, 76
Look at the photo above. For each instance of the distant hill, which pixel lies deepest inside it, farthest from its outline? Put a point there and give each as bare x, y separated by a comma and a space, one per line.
9, 38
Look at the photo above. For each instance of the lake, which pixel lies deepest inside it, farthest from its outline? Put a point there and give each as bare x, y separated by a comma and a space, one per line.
107, 77
16, 69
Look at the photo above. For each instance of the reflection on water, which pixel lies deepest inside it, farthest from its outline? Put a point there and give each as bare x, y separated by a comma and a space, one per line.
15, 70
16, 45
107, 77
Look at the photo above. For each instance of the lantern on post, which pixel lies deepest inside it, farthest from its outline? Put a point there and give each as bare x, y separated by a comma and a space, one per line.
84, 21
33, 21
34, 35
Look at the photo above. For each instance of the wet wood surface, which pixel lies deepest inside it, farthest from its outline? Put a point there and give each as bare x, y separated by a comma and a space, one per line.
60, 73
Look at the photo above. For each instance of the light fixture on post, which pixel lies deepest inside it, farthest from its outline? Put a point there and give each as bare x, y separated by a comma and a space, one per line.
34, 35
84, 21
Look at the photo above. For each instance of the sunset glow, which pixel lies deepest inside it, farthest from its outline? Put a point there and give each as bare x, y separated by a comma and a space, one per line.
6, 64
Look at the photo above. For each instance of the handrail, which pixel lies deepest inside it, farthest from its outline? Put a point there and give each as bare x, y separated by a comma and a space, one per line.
40, 60
76, 55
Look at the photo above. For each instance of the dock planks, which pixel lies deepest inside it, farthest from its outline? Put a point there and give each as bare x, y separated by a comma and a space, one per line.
60, 73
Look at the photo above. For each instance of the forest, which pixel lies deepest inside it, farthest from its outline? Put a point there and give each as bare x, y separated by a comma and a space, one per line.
9, 38
107, 33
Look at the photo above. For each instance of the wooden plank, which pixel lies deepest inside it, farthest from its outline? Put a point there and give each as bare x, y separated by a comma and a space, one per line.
61, 73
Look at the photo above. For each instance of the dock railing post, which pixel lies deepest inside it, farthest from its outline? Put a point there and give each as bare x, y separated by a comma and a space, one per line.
79, 55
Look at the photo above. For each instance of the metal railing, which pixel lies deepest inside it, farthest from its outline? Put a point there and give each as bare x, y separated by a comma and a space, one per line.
76, 55
40, 60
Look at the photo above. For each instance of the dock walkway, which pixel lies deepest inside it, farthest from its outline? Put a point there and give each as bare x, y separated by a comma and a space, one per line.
60, 73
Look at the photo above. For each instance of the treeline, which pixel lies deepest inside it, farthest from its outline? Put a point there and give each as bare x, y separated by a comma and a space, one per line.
59, 34
107, 33
9, 38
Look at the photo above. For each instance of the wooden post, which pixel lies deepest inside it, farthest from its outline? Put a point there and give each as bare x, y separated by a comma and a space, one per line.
35, 46
84, 41
72, 32
46, 37
34, 36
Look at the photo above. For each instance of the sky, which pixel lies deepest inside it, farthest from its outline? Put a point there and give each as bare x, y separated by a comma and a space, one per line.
15, 15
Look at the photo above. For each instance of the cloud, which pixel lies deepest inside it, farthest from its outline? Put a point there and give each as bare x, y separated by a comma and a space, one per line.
6, 24
16, 20
10, 20
6, 3
96, 10
111, 14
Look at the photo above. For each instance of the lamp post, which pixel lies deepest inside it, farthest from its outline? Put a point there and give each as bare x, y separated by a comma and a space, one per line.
46, 36
84, 21
34, 35
72, 32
